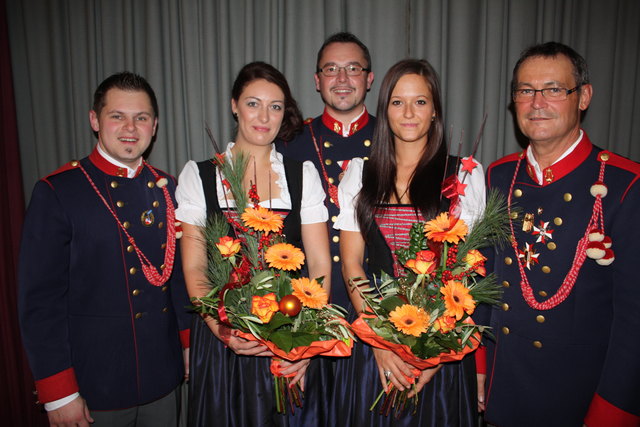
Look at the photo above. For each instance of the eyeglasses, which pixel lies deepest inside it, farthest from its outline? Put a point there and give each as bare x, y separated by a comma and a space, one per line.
334, 70
549, 93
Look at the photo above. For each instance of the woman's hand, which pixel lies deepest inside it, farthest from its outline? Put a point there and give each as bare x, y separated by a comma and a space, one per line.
424, 378
398, 371
299, 367
238, 345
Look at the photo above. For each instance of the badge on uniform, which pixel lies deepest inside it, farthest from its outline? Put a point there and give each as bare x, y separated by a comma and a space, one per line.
147, 218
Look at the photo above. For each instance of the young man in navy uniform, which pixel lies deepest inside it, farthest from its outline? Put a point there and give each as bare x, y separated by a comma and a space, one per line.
566, 351
343, 131
101, 294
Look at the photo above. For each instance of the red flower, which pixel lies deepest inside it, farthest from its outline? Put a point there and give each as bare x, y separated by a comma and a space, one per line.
424, 262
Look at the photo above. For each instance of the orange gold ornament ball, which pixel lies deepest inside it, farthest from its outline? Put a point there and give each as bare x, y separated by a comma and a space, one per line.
290, 305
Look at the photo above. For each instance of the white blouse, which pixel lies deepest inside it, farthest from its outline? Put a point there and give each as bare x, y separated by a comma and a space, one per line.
192, 207
471, 204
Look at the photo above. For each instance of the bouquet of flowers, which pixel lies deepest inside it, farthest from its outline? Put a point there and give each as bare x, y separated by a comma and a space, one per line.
423, 316
255, 286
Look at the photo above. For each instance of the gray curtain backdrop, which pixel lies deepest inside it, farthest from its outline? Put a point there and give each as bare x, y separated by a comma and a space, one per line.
190, 51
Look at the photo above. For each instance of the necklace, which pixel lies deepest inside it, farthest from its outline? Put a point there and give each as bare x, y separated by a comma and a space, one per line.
596, 220
150, 272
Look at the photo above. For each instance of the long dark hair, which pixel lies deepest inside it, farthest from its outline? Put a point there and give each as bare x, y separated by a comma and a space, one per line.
379, 177
292, 120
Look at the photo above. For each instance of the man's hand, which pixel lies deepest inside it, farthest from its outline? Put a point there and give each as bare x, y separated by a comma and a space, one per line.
73, 414
481, 380
185, 356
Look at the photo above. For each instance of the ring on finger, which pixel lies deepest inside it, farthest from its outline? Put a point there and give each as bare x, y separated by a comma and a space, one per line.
387, 374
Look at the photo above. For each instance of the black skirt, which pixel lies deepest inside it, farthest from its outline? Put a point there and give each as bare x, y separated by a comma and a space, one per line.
230, 390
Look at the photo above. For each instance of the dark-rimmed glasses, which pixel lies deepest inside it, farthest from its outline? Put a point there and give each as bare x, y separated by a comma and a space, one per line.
549, 93
334, 70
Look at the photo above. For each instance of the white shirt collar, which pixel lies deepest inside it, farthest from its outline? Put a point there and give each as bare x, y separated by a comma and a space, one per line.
346, 129
536, 166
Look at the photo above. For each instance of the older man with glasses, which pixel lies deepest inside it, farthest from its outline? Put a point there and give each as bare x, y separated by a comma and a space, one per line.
566, 351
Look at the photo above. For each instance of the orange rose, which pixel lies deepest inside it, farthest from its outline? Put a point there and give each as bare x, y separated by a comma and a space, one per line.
445, 324
264, 307
423, 263
474, 259
228, 246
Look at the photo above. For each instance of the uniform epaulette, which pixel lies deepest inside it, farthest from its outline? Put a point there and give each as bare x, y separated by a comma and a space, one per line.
621, 162
166, 174
308, 120
67, 166
513, 157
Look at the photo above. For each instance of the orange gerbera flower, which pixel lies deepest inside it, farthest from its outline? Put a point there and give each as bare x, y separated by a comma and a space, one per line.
423, 263
264, 307
445, 229
457, 299
228, 246
284, 256
262, 219
410, 319
309, 292
445, 324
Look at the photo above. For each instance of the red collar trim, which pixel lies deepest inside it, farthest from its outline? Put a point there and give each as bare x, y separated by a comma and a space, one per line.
559, 169
336, 125
109, 168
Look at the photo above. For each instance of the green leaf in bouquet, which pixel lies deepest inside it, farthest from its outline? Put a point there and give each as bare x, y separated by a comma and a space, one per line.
427, 347
282, 339
254, 329
336, 310
466, 334
218, 268
251, 318
391, 303
492, 229
486, 290
302, 339
278, 320
261, 277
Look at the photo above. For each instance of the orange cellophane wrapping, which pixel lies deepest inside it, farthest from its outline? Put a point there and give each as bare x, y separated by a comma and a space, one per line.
366, 334
332, 348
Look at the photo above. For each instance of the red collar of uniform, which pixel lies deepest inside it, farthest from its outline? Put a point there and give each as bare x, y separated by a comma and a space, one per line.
564, 166
109, 168
336, 125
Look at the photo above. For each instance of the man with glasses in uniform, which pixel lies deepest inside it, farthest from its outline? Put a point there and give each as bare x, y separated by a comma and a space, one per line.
344, 130
566, 351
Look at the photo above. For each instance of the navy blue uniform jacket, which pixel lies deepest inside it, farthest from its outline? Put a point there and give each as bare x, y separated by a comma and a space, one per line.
580, 361
90, 320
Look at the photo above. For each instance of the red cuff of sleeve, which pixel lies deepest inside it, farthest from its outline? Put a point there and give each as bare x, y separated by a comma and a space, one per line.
184, 337
481, 360
57, 386
602, 414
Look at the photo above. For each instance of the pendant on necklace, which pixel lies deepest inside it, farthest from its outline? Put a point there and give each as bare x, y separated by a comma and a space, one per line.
147, 218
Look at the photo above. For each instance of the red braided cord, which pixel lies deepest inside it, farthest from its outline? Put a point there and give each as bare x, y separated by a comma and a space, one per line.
149, 271
569, 282
331, 188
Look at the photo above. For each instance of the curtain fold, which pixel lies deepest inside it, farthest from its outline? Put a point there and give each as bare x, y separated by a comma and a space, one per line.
190, 51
